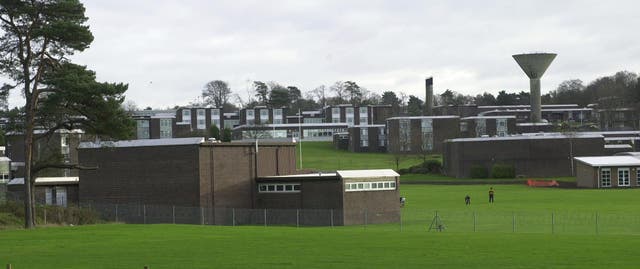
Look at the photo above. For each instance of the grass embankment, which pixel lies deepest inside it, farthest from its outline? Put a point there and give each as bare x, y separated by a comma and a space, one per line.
324, 157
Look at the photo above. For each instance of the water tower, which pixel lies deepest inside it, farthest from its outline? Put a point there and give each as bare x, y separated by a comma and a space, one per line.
534, 65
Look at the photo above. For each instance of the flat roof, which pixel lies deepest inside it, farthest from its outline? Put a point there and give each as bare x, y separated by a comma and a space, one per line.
373, 173
609, 161
47, 181
300, 176
621, 138
370, 125
423, 117
533, 124
490, 117
520, 137
618, 146
290, 125
144, 143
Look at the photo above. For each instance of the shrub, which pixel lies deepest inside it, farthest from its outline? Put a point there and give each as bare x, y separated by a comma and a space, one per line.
432, 166
478, 171
403, 171
503, 171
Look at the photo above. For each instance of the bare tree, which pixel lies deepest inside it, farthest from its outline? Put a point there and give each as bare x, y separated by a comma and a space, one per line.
216, 93
340, 89
320, 94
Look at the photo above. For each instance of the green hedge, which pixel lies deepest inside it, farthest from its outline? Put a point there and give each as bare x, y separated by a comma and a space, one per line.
503, 171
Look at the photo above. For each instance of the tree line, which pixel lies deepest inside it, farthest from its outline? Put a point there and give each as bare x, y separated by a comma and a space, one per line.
620, 89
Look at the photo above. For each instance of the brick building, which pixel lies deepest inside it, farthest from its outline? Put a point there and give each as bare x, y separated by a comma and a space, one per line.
421, 134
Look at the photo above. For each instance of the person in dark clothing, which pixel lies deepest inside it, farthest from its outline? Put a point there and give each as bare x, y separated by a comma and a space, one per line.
491, 193
467, 200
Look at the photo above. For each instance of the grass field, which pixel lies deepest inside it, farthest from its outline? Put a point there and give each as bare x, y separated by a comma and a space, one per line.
494, 245
324, 157
183, 246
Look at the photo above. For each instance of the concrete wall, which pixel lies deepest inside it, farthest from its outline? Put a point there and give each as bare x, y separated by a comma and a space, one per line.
157, 175
443, 129
371, 206
374, 141
531, 157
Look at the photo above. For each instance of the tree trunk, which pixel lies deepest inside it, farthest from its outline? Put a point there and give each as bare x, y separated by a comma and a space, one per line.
28, 156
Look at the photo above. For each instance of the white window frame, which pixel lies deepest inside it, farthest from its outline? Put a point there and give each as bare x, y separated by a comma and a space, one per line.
605, 179
201, 119
250, 116
364, 137
350, 116
278, 117
622, 180
216, 117
264, 115
386, 185
335, 114
364, 115
186, 116
279, 187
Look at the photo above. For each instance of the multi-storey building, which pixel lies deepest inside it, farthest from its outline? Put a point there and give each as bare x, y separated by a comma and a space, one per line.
421, 134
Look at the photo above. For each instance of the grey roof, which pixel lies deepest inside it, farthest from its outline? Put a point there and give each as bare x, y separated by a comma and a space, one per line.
423, 117
490, 117
618, 146
373, 173
370, 125
522, 137
144, 143
609, 161
47, 181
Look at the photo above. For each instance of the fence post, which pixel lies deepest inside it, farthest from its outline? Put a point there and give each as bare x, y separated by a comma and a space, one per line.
45, 215
116, 212
202, 215
233, 217
146, 267
265, 217
597, 223
173, 214
144, 214
474, 221
514, 221
297, 218
366, 218
8, 266
552, 223
332, 218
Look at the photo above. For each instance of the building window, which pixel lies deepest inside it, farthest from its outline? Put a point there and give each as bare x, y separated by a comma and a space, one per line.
427, 134
364, 137
335, 115
481, 127
229, 124
638, 175
605, 177
143, 129
370, 186
623, 177
464, 126
279, 187
501, 127
381, 137
215, 117
201, 119
364, 116
350, 116
186, 116
166, 128
64, 145
405, 135
264, 115
312, 120
277, 116
250, 116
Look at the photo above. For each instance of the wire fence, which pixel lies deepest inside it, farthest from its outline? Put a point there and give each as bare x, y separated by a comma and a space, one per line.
550, 222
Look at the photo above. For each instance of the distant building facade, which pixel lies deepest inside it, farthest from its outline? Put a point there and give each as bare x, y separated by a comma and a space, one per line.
421, 134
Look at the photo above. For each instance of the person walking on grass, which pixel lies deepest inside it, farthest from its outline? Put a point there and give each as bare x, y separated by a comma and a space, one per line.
467, 200
491, 193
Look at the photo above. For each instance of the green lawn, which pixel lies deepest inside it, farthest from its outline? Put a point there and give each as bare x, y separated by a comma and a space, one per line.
324, 157
184, 246
571, 243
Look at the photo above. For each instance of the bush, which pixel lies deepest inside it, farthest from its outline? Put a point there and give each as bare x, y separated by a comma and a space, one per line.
403, 171
478, 171
503, 171
432, 166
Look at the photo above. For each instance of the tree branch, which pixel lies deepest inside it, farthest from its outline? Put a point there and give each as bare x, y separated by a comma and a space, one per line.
41, 167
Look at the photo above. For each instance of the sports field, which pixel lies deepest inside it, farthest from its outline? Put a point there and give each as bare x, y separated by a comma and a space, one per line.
373, 246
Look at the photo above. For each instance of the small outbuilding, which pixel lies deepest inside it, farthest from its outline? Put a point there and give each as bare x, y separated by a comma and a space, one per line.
607, 172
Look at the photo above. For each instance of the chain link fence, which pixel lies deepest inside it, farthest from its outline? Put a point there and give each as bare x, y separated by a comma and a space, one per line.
550, 222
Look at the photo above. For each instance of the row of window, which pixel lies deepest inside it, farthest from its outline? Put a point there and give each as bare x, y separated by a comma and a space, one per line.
279, 187
370, 186
624, 179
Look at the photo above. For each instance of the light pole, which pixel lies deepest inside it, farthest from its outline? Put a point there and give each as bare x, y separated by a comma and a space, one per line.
300, 135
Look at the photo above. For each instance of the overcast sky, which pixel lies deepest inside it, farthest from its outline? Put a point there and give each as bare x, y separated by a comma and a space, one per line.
167, 50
